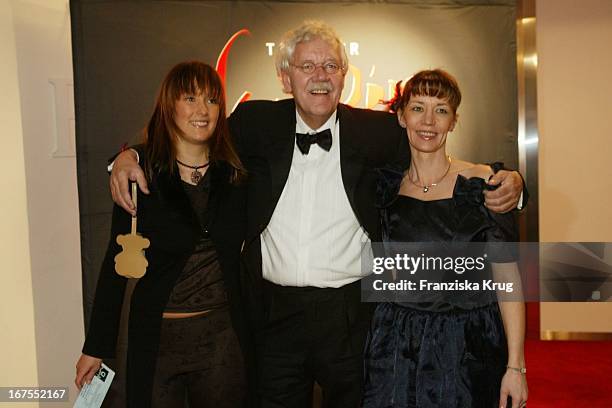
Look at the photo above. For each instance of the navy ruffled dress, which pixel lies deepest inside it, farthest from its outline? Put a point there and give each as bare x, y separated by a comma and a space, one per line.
441, 353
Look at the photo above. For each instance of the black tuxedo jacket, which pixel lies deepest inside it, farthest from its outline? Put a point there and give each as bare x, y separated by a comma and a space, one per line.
264, 133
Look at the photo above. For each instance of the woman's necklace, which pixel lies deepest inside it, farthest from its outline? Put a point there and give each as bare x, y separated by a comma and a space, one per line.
195, 174
426, 187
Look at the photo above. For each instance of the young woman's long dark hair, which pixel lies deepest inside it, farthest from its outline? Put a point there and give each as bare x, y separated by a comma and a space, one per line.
190, 77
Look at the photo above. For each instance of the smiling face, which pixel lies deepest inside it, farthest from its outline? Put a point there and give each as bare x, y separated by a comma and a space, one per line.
427, 120
316, 94
195, 115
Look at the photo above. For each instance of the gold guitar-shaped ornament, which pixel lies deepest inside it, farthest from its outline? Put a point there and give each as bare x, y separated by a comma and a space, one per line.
131, 262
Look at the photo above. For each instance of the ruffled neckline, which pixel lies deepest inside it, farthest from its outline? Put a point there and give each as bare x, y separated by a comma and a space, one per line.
467, 191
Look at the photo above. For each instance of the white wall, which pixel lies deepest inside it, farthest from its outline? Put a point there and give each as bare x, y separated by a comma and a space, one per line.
41, 56
574, 43
18, 349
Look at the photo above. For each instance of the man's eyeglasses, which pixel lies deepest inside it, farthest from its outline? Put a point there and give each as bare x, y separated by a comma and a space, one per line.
310, 67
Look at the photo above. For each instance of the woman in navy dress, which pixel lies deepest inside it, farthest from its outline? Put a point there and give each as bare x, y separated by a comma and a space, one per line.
448, 351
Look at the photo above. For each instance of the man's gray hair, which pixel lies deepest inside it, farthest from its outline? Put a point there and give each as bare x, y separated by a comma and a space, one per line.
309, 30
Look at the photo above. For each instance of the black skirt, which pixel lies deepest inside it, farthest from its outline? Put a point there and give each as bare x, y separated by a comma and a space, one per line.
418, 358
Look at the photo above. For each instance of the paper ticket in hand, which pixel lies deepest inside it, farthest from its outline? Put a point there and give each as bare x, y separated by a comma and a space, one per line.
92, 395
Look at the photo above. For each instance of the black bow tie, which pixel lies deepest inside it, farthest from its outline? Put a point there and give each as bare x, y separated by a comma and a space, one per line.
322, 138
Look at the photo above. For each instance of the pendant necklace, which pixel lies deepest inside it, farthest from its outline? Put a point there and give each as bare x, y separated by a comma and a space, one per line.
195, 174
426, 187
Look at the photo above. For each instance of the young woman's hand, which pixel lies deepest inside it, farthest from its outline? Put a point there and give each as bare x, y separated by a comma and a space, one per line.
513, 385
86, 368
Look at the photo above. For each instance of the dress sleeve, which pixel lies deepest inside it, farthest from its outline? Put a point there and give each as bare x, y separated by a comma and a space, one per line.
388, 181
500, 231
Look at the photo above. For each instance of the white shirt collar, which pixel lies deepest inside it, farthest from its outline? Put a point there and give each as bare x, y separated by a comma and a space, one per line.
302, 127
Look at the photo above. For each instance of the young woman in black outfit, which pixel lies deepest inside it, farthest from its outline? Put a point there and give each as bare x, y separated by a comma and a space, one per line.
186, 327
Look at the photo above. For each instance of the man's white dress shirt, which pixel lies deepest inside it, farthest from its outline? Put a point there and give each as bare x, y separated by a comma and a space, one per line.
314, 238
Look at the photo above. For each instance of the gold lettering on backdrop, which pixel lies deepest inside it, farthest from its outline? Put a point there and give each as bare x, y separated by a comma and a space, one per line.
374, 95
354, 95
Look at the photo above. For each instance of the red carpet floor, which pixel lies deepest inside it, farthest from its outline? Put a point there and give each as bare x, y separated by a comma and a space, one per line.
575, 374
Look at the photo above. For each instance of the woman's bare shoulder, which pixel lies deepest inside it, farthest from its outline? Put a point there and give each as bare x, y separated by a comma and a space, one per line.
468, 169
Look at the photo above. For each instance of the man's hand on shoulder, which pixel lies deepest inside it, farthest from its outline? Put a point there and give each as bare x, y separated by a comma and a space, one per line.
126, 169
507, 195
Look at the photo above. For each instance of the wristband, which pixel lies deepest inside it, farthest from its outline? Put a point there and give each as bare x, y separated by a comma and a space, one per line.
520, 370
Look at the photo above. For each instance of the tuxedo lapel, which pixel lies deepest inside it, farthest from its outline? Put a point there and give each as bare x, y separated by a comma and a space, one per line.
280, 153
351, 160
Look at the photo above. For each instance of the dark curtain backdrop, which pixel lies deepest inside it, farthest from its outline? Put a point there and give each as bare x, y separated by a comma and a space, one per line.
122, 50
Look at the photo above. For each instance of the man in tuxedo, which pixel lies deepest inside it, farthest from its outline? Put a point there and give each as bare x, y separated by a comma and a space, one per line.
311, 191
